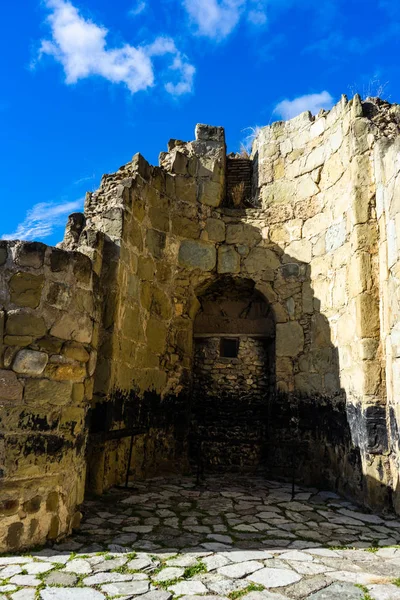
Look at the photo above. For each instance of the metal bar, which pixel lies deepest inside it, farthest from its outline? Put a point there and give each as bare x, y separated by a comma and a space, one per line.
129, 460
264, 336
293, 472
117, 434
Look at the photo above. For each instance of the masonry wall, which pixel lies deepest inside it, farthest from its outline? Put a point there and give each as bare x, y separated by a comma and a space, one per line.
311, 249
48, 324
230, 404
387, 176
325, 167
145, 353
171, 239
115, 312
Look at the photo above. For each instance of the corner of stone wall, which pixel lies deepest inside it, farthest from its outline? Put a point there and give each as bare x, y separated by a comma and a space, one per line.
143, 213
48, 327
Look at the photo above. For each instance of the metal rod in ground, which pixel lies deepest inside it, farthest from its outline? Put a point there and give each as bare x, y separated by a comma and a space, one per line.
129, 461
293, 470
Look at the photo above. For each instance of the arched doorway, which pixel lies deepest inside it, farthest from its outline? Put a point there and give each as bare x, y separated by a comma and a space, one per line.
233, 376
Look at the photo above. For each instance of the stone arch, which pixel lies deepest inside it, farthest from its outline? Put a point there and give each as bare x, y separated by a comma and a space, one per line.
233, 374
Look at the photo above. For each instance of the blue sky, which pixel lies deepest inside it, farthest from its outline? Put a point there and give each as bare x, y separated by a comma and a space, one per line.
88, 83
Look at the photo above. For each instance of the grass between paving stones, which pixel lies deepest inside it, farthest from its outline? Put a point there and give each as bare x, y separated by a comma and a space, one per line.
253, 587
188, 573
364, 589
43, 584
396, 582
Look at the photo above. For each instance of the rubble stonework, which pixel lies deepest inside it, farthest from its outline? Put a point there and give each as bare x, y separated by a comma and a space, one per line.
319, 246
49, 324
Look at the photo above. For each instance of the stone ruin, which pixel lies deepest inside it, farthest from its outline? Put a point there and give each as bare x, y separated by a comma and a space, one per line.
212, 313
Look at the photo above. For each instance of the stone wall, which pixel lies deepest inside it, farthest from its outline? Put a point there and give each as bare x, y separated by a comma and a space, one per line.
316, 185
319, 246
310, 248
48, 324
230, 404
387, 175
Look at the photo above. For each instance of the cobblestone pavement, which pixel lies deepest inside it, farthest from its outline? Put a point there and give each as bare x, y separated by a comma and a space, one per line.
232, 538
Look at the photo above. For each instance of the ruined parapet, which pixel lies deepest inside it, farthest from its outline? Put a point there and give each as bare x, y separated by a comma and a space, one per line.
320, 245
310, 245
201, 162
48, 329
73, 230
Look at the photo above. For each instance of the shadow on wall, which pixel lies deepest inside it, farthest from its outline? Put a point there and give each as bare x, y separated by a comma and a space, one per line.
292, 414
298, 415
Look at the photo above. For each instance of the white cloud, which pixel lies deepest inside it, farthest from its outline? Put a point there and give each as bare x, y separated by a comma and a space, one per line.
80, 46
186, 81
136, 10
84, 179
42, 219
218, 18
312, 102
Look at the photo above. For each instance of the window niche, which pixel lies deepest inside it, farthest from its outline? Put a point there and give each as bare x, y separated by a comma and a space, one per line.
229, 347
233, 375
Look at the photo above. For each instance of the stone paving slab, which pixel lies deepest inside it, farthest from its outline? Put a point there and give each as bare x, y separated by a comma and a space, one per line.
229, 539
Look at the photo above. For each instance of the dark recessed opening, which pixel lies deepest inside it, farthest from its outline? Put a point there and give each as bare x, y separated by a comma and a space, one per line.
229, 347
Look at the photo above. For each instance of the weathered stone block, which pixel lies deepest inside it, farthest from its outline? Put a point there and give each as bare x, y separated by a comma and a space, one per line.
132, 323
33, 505
43, 391
30, 362
299, 250
52, 502
18, 340
155, 241
215, 229
359, 273
186, 228
242, 233
14, 535
335, 236
22, 323
146, 359
367, 311
261, 259
186, 189
289, 339
3, 253
228, 260
71, 327
210, 193
306, 188
146, 268
368, 348
82, 269
160, 303
179, 163
197, 255
156, 334
68, 372
50, 345
159, 218
10, 387
308, 383
78, 393
26, 289
60, 260
30, 254
8, 507
75, 351
210, 133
